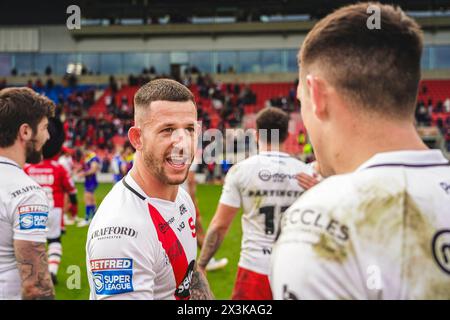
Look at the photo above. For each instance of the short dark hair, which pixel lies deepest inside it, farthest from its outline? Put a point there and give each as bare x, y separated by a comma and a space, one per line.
19, 106
271, 119
162, 89
54, 144
376, 68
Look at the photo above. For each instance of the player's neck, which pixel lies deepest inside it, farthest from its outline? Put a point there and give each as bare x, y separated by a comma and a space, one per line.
152, 186
271, 148
14, 153
362, 146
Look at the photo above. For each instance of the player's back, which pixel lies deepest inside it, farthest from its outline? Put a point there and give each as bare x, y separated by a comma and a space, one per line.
266, 186
382, 232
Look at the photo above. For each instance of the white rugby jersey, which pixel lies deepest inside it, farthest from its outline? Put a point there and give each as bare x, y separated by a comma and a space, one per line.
23, 216
381, 232
265, 186
140, 247
67, 163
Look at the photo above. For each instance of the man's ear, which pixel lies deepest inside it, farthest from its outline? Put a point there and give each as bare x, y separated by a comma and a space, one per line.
134, 135
317, 89
25, 132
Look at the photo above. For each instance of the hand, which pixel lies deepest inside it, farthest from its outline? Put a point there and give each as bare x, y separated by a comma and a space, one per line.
306, 181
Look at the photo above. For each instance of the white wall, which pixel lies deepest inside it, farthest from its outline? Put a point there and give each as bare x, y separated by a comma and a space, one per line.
19, 39
59, 39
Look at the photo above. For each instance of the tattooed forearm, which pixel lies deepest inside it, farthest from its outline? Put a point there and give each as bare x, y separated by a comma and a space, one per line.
211, 244
32, 263
200, 288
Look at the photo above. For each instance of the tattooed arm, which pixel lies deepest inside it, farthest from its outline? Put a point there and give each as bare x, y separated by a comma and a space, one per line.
199, 286
32, 263
216, 232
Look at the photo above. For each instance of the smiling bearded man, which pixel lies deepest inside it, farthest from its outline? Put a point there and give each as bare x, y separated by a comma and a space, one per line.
142, 241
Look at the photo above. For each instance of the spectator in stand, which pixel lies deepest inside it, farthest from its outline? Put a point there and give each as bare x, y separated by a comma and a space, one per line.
447, 105
422, 116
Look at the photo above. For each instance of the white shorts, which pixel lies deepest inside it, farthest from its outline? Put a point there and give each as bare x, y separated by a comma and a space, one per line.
54, 223
10, 285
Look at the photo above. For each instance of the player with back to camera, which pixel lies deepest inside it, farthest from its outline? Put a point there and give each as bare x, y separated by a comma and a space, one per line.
264, 185
378, 226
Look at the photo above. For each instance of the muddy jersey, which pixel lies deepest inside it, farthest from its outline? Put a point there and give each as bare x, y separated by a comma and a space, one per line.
381, 232
23, 216
139, 247
265, 186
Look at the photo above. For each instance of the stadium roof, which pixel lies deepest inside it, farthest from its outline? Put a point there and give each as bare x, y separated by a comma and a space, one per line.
47, 12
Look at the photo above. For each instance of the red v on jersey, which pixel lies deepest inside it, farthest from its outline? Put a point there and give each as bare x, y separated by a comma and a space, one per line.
174, 251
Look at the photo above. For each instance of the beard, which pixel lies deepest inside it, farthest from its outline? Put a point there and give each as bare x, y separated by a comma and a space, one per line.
32, 155
156, 166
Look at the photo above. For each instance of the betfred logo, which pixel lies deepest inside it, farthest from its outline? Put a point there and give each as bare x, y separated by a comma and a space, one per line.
33, 217
112, 276
183, 291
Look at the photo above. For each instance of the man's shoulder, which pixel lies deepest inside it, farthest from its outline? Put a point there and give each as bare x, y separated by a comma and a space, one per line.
184, 196
120, 208
328, 192
20, 191
119, 198
19, 180
344, 193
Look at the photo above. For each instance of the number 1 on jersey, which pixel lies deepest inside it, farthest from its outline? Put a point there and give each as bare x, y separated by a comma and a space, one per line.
269, 213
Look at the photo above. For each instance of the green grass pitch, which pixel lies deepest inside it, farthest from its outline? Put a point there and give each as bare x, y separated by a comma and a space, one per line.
74, 242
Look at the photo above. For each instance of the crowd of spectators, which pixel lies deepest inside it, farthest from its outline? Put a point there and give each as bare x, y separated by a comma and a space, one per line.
426, 110
288, 103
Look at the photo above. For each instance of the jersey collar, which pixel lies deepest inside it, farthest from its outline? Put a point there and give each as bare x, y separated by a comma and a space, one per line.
7, 161
131, 185
275, 154
408, 158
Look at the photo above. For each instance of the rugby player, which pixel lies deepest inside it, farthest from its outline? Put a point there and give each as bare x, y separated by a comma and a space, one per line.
378, 226
141, 243
56, 182
66, 161
23, 204
264, 185
119, 162
91, 165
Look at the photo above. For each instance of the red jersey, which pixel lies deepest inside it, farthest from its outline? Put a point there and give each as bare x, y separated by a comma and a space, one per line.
53, 178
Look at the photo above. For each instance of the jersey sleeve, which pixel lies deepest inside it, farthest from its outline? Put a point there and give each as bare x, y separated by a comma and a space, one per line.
314, 257
30, 215
231, 195
120, 262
